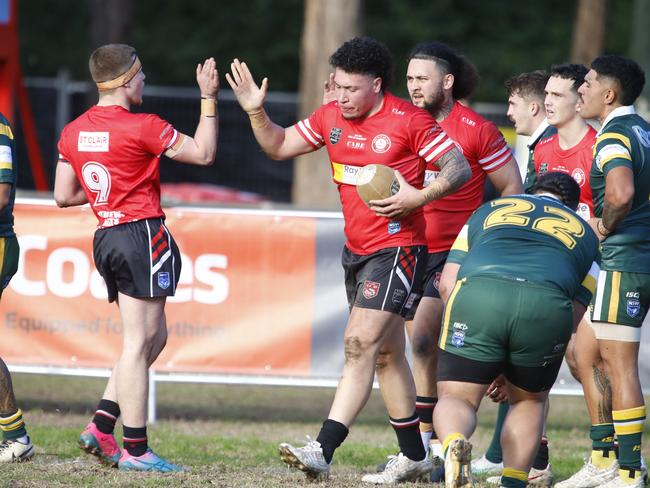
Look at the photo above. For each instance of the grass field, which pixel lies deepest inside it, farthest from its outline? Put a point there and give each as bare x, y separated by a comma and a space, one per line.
227, 436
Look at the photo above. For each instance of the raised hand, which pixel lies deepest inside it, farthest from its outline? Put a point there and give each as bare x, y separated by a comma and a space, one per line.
249, 95
207, 78
329, 90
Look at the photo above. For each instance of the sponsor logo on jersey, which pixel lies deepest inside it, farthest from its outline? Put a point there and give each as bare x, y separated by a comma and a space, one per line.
578, 174
163, 280
370, 289
335, 135
355, 144
642, 135
430, 176
458, 338
468, 121
633, 307
381, 143
394, 227
397, 111
398, 296
543, 168
460, 326
92, 141
6, 158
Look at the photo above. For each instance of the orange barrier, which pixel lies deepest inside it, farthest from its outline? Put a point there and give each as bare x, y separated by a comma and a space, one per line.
244, 302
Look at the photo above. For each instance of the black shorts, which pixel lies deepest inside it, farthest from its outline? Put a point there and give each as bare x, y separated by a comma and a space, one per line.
452, 367
435, 262
389, 279
140, 259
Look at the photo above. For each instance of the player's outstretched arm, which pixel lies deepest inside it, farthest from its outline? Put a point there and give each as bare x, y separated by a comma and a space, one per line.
202, 148
276, 141
67, 190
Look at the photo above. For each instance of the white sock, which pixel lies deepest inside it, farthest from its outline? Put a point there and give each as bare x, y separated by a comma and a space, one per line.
436, 449
426, 437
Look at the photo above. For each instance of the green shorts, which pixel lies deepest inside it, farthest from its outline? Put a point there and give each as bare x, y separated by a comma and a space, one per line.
505, 320
621, 298
9, 252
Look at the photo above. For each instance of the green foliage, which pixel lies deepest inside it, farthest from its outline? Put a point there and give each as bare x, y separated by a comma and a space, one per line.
501, 37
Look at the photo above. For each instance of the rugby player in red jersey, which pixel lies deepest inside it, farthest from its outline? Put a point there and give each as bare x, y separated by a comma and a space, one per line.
110, 157
384, 258
436, 78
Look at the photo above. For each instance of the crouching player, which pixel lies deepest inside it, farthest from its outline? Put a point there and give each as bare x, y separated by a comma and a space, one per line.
509, 312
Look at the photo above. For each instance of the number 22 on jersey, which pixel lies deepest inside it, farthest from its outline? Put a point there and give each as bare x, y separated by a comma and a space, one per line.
561, 224
98, 180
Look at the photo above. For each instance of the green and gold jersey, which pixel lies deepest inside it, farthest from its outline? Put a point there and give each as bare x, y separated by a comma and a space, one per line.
624, 140
530, 238
7, 175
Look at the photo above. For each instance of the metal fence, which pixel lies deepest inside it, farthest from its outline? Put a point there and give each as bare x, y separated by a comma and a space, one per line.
240, 164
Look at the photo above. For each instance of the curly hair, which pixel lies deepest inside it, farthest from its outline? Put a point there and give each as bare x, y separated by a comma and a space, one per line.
575, 72
466, 77
629, 76
528, 85
366, 56
560, 184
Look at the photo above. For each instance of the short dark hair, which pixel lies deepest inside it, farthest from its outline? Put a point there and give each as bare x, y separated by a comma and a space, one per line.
560, 184
366, 56
575, 72
466, 75
528, 85
627, 73
110, 61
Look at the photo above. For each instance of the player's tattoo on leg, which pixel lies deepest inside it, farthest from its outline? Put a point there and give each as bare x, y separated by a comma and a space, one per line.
7, 398
604, 388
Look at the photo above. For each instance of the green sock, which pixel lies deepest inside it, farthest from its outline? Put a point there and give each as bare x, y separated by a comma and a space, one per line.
13, 425
494, 453
602, 437
513, 478
629, 430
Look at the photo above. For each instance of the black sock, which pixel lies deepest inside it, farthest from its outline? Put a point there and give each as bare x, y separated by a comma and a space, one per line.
331, 435
106, 416
135, 440
424, 409
541, 458
408, 437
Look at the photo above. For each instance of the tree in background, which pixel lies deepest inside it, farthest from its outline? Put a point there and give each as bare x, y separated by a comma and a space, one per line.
327, 25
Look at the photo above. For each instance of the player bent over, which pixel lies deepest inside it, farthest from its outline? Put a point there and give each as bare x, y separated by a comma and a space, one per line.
16, 445
508, 313
110, 157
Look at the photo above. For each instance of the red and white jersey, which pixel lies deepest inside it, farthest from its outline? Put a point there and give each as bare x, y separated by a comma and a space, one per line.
576, 161
399, 135
485, 150
116, 157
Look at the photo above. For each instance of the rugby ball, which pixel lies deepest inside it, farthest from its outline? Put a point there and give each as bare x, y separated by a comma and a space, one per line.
376, 182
